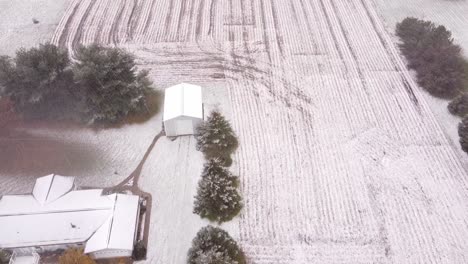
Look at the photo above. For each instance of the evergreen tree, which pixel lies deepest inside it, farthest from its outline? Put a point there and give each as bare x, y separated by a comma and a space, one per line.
39, 82
459, 106
213, 245
463, 133
110, 83
217, 196
444, 77
215, 137
430, 51
413, 32
102, 85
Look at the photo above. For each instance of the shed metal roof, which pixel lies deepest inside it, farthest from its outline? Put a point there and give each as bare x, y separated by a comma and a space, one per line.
183, 100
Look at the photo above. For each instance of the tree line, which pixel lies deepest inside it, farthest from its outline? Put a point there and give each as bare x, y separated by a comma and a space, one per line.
439, 65
218, 198
101, 85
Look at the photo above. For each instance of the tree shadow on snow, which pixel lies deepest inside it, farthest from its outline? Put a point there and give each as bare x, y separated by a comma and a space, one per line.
154, 105
24, 154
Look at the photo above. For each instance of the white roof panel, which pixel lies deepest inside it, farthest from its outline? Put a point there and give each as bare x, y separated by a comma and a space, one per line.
124, 224
51, 187
118, 232
76, 200
99, 240
41, 188
50, 229
183, 100
107, 221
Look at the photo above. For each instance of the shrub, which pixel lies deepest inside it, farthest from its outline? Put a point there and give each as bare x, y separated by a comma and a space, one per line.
109, 81
213, 245
5, 256
139, 251
430, 51
215, 137
463, 133
217, 196
75, 256
459, 106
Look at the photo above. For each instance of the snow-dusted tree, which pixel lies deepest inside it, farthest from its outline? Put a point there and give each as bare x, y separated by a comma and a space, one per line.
217, 197
215, 137
39, 82
463, 133
431, 51
459, 105
110, 83
213, 245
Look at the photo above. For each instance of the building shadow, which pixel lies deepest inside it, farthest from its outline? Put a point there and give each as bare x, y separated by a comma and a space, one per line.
25, 154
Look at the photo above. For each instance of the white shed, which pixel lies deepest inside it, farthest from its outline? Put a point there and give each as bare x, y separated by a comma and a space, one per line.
183, 109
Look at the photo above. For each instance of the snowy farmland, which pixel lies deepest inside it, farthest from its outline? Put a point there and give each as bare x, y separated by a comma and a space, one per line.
341, 160
16, 22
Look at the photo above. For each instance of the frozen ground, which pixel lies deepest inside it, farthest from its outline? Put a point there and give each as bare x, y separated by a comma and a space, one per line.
453, 15
341, 159
16, 22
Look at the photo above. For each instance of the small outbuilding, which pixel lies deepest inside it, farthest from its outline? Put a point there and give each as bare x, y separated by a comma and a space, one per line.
183, 109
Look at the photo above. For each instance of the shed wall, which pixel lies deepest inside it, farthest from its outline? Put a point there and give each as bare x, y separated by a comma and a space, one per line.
174, 128
109, 253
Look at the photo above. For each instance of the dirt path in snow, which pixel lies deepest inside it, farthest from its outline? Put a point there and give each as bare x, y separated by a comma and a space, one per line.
131, 184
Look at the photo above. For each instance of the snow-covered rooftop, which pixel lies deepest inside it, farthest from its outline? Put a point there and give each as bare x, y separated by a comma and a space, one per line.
54, 217
51, 187
118, 232
183, 100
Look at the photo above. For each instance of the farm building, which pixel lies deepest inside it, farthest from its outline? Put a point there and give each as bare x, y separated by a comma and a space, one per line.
56, 216
183, 109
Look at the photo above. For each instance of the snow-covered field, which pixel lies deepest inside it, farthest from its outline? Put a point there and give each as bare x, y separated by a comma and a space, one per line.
341, 159
16, 22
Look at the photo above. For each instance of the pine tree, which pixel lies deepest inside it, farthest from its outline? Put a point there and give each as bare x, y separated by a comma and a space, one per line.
213, 245
463, 133
110, 84
459, 106
39, 82
215, 137
101, 85
430, 50
217, 197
